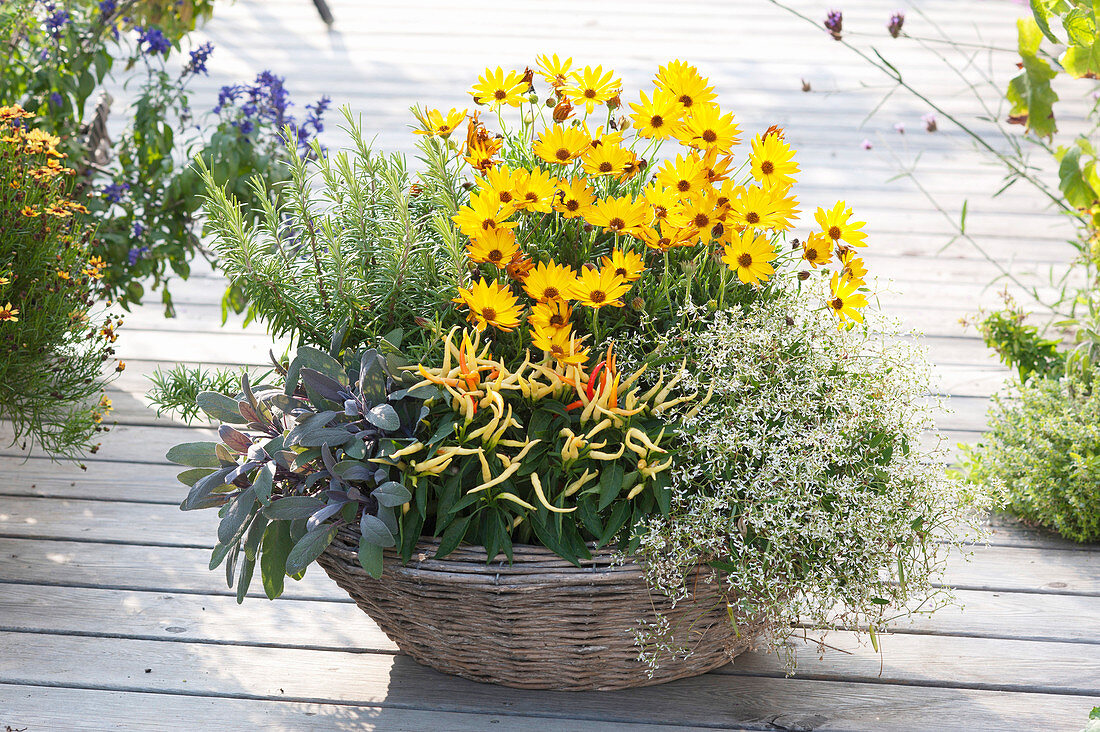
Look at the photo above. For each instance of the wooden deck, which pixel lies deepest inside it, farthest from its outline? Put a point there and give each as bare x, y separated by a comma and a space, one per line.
109, 618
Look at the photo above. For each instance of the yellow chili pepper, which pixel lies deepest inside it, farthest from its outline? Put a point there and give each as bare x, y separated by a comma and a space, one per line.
537, 484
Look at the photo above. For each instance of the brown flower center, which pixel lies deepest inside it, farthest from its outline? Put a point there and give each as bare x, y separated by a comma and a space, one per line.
709, 136
500, 94
685, 100
556, 349
621, 271
752, 217
597, 296
616, 223
606, 167
551, 293
572, 204
489, 313
496, 255
834, 232
505, 196
837, 303
488, 224
744, 259
562, 154
701, 220
683, 186
767, 168
811, 255
589, 93
532, 196
656, 121
557, 320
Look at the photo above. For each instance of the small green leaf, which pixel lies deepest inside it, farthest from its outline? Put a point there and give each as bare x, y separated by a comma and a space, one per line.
194, 475
265, 481
309, 547
392, 494
452, 537
611, 483
195, 454
276, 547
220, 407
370, 558
293, 507
375, 531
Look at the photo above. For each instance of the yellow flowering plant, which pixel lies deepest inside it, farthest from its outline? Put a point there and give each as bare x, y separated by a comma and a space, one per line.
55, 343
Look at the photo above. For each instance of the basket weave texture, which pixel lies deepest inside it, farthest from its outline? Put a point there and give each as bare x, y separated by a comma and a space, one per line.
539, 622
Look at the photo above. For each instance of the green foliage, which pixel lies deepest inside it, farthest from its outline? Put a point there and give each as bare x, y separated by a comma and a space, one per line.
314, 458
1019, 345
1078, 18
54, 342
346, 245
177, 389
1030, 93
1044, 447
145, 201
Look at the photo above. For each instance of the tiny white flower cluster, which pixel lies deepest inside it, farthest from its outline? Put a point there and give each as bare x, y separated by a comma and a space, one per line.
802, 478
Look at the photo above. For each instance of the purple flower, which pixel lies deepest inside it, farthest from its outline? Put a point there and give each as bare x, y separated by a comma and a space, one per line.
833, 23
154, 41
138, 229
929, 121
56, 99
108, 7
197, 64
866, 144
228, 95
245, 127
897, 20
136, 253
56, 21
115, 191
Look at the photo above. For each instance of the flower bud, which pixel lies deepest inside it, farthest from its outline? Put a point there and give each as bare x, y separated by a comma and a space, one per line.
563, 111
804, 275
637, 304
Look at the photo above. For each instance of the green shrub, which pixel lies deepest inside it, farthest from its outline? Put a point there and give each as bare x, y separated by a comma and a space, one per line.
1044, 446
54, 344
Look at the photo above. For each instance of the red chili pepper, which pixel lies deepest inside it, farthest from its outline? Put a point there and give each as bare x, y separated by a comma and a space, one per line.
592, 379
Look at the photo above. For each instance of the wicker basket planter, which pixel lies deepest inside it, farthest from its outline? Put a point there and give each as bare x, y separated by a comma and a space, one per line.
538, 623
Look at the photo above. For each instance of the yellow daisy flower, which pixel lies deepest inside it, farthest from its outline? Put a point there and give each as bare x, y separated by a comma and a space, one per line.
834, 222
561, 344
772, 161
623, 215
662, 200
490, 304
483, 213
625, 263
501, 181
495, 246
551, 315
700, 212
436, 124
30, 212
684, 83
550, 281
817, 249
708, 129
591, 87
480, 152
659, 118
495, 88
9, 313
683, 175
561, 145
536, 191
846, 302
854, 269
750, 255
668, 237
606, 159
762, 209
575, 198
554, 71
599, 287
